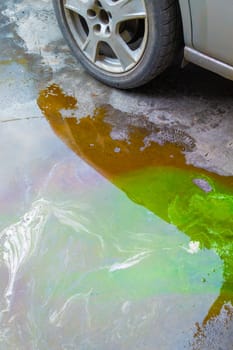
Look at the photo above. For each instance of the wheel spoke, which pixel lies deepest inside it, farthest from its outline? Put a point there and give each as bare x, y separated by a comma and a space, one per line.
78, 6
124, 10
122, 51
90, 47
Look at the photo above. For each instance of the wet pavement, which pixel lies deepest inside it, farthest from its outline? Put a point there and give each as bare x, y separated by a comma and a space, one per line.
116, 207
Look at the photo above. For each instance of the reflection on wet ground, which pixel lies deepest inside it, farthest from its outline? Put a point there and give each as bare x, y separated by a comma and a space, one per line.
148, 163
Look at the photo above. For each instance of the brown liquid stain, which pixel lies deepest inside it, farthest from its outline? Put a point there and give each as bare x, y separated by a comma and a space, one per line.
90, 138
21, 61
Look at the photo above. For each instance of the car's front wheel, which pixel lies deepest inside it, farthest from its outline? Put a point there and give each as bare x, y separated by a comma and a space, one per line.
123, 43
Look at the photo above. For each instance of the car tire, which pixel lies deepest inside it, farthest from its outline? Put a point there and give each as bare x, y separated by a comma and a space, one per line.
122, 43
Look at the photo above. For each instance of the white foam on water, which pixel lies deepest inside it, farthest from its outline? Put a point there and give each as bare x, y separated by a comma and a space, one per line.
20, 240
134, 260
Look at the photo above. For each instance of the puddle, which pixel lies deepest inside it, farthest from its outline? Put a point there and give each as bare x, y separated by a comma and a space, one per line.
147, 163
117, 244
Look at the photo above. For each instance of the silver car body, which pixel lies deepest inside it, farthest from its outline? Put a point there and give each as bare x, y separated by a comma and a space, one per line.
208, 34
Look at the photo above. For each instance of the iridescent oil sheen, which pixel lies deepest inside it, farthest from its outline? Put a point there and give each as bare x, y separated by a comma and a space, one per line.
148, 164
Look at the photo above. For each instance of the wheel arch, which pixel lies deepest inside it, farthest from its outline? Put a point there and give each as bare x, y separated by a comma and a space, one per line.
186, 21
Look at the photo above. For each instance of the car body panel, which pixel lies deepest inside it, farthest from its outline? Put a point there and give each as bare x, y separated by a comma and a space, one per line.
212, 28
208, 32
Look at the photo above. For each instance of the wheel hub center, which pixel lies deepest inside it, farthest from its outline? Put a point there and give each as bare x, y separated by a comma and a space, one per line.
101, 18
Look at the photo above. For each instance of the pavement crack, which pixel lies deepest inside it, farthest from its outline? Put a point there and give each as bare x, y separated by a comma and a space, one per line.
18, 119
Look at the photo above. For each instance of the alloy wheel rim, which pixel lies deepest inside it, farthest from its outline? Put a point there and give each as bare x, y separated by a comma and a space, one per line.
112, 34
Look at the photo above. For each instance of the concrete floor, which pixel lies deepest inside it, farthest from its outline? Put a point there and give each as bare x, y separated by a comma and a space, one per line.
191, 103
